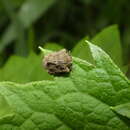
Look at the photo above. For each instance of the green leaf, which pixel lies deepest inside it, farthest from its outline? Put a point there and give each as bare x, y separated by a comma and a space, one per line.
109, 40
81, 50
77, 101
52, 46
22, 70
123, 109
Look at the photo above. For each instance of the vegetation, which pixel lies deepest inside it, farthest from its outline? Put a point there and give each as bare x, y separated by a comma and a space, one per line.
26, 24
91, 97
96, 93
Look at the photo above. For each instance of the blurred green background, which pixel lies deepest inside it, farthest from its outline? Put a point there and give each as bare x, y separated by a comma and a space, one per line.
27, 24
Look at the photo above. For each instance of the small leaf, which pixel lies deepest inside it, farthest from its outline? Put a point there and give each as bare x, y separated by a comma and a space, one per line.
22, 70
81, 50
109, 41
123, 109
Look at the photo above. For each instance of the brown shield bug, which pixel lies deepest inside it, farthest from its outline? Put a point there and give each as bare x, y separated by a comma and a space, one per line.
58, 62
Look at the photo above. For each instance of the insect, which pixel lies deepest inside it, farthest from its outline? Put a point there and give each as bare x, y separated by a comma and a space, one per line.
58, 62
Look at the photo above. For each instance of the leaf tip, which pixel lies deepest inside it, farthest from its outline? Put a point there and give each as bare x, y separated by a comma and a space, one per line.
90, 44
40, 48
112, 108
45, 51
87, 42
96, 51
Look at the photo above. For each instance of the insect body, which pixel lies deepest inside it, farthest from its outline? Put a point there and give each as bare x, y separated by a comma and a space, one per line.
58, 62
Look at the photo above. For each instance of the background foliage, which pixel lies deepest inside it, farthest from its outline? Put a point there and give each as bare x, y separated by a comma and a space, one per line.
97, 95
26, 24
